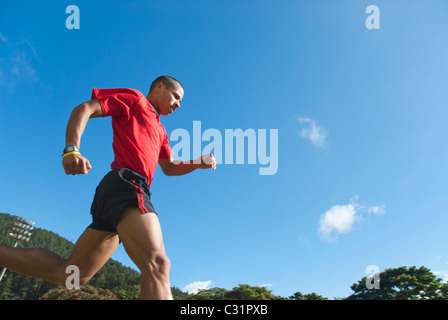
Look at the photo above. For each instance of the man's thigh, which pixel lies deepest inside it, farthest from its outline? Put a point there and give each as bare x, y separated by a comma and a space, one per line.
141, 235
92, 250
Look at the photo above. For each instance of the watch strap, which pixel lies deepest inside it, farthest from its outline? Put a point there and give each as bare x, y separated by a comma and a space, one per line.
70, 148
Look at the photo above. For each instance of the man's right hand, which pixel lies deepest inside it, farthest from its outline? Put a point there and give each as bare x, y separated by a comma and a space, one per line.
76, 164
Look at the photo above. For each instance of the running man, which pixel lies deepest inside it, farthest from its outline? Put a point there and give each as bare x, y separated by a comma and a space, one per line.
121, 208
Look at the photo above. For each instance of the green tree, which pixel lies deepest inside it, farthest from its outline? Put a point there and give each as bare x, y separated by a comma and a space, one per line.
402, 284
242, 292
129, 294
209, 294
246, 292
309, 296
178, 294
112, 276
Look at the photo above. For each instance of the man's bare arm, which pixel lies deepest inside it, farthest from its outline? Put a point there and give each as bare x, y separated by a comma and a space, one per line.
172, 167
76, 163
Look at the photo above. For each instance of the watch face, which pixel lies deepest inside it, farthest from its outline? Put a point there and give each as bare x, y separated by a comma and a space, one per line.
70, 149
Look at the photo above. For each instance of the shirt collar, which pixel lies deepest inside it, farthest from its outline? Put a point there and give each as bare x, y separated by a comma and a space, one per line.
157, 114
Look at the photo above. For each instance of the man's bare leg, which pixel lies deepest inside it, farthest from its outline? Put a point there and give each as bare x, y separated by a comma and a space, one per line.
141, 235
90, 253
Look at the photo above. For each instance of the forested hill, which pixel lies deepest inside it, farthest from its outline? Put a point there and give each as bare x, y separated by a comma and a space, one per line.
121, 280
115, 281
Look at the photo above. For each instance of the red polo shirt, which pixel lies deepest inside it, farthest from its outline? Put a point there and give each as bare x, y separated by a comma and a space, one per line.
139, 139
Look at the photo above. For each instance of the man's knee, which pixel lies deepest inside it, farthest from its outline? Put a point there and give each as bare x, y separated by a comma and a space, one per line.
74, 275
83, 279
157, 266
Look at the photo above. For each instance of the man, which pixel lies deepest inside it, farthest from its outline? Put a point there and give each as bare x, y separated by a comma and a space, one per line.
121, 209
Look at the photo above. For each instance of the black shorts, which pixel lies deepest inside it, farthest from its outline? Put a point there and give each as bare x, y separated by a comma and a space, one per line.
120, 189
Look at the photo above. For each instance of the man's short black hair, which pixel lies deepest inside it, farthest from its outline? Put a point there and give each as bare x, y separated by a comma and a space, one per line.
168, 81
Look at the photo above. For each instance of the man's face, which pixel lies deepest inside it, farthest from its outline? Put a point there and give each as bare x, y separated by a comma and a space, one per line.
169, 99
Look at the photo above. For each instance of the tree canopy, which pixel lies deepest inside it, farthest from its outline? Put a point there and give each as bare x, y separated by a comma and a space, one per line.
402, 284
118, 282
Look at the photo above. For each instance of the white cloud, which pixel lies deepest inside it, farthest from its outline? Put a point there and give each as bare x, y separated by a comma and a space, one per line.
378, 210
21, 67
3, 38
316, 134
16, 62
303, 239
196, 286
340, 219
442, 274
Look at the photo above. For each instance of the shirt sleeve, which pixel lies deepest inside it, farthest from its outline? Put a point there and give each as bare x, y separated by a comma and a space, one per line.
115, 102
165, 150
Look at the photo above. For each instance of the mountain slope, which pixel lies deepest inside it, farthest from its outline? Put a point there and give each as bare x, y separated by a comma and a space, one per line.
120, 279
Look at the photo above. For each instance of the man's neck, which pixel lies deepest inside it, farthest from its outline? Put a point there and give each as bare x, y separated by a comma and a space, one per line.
152, 105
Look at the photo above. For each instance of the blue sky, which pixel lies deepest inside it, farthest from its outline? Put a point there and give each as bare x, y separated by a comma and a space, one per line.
361, 118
